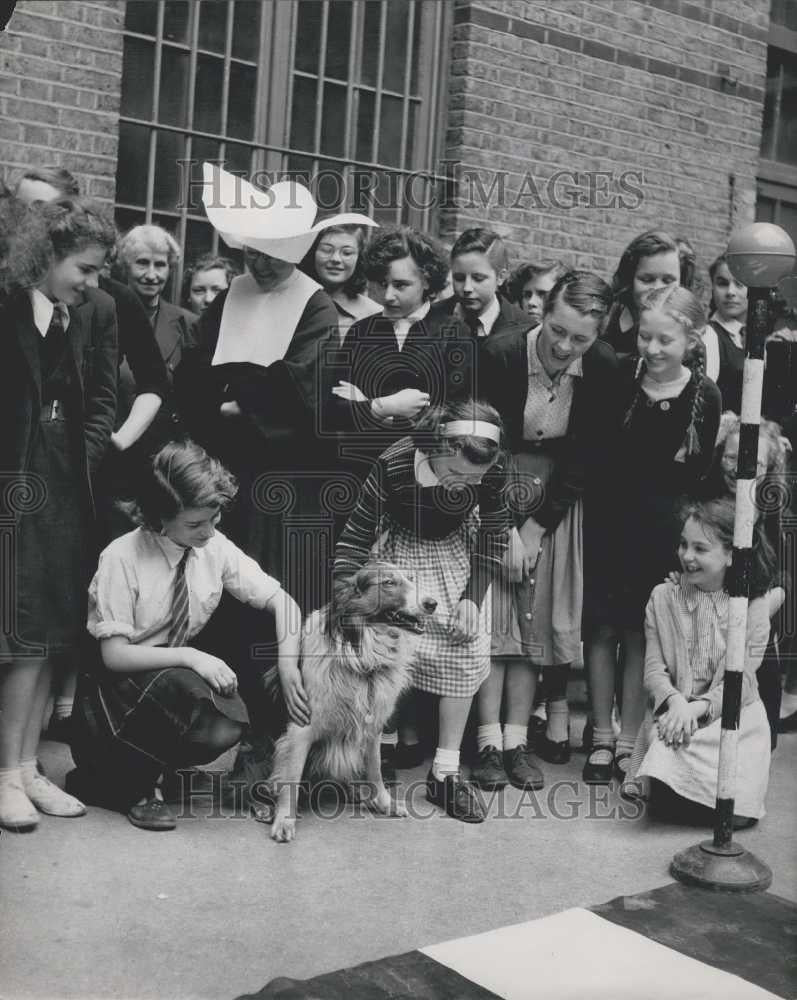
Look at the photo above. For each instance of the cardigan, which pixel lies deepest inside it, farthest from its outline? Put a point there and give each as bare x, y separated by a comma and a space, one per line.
594, 414
668, 668
392, 489
92, 336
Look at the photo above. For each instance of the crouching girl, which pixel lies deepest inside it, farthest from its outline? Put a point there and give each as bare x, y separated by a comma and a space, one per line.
158, 701
685, 631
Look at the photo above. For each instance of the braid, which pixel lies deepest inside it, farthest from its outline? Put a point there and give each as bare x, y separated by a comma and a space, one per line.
638, 375
696, 414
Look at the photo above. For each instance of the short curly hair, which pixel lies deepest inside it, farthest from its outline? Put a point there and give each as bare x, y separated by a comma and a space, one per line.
358, 281
76, 223
25, 247
155, 239
182, 476
208, 262
397, 243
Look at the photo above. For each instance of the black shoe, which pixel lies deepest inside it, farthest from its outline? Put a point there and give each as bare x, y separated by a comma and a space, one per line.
489, 772
409, 755
554, 753
456, 797
520, 771
153, 814
387, 756
596, 773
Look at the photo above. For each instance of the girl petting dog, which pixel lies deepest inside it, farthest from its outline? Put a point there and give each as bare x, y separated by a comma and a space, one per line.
685, 629
158, 701
419, 502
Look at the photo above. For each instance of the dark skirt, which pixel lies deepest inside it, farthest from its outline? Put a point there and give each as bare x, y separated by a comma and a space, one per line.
52, 564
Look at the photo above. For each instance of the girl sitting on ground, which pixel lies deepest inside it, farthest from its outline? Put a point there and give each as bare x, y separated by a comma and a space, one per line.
686, 626
158, 701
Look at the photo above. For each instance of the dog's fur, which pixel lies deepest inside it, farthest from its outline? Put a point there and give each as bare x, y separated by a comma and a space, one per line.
356, 656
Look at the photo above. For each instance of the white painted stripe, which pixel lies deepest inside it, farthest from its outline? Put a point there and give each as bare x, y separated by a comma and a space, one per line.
726, 777
744, 517
752, 382
736, 641
577, 954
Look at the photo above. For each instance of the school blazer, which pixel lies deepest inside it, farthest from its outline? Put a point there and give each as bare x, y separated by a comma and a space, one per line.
92, 337
586, 449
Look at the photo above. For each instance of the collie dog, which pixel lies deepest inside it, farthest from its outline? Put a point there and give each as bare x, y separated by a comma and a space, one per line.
356, 656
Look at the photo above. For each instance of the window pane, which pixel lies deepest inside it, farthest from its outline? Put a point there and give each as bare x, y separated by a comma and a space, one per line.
365, 126
338, 39
386, 198
207, 93
333, 121
416, 48
788, 220
169, 149
241, 102
303, 113
786, 150
765, 210
212, 25
784, 12
328, 188
238, 159
175, 21
308, 36
390, 131
126, 218
370, 53
174, 87
299, 169
412, 124
131, 168
246, 30
141, 16
396, 46
137, 78
198, 240
201, 150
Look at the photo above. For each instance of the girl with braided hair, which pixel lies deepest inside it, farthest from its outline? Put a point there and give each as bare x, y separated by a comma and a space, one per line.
665, 448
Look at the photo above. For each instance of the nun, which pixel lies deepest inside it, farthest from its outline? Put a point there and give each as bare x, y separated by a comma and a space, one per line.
248, 385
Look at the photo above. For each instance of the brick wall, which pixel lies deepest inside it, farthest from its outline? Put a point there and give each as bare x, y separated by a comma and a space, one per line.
60, 85
668, 90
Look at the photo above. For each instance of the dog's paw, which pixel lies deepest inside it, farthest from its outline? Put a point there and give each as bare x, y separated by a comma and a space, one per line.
386, 805
283, 830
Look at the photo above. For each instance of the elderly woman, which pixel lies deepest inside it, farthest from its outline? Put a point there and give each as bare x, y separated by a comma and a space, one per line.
249, 386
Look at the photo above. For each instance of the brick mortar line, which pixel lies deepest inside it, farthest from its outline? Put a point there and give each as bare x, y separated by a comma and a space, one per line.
56, 62
611, 62
509, 20
64, 20
61, 41
66, 128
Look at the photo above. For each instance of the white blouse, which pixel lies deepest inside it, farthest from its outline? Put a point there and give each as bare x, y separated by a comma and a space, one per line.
132, 590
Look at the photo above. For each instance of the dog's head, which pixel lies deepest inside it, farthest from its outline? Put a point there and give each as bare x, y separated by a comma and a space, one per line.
379, 592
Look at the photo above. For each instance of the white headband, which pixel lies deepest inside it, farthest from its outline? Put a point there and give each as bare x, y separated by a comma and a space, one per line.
472, 428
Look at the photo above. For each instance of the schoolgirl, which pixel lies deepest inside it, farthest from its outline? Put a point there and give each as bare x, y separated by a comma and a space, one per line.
725, 334
665, 449
677, 752
57, 406
157, 701
420, 502
530, 284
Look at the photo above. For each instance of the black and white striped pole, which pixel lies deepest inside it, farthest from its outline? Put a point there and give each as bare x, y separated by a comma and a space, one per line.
759, 256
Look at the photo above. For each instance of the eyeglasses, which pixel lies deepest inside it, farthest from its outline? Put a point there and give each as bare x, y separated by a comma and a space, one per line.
346, 253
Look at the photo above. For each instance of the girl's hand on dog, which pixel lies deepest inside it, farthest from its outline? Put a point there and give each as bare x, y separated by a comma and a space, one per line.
464, 623
211, 669
294, 693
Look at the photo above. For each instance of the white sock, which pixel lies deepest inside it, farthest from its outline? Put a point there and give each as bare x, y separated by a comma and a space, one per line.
445, 762
558, 721
514, 736
540, 711
625, 743
63, 708
47, 797
389, 739
489, 736
11, 776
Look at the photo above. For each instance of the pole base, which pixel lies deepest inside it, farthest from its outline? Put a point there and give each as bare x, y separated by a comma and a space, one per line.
730, 869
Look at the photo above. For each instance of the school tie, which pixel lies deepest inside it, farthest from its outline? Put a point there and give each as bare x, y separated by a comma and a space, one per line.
179, 627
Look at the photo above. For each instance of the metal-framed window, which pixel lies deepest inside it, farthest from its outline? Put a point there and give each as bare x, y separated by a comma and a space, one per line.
347, 95
777, 169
